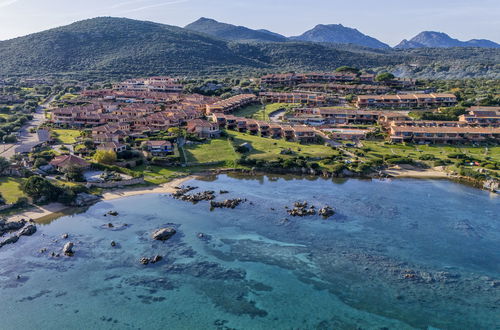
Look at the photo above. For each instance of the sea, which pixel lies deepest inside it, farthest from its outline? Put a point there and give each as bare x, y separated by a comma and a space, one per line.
397, 254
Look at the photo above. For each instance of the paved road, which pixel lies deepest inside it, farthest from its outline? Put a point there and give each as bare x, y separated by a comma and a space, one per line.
27, 140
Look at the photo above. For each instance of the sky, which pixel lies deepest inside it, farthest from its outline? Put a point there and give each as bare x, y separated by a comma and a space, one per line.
390, 21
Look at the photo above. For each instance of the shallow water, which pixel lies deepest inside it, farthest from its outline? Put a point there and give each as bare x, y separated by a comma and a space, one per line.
398, 254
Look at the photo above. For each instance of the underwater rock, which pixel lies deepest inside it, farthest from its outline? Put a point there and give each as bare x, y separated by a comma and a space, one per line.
164, 234
156, 259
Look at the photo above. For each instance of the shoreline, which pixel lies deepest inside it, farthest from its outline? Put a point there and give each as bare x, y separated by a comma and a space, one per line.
46, 213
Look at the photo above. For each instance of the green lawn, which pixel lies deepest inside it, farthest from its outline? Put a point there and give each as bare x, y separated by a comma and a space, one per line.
10, 188
260, 112
67, 136
439, 151
215, 150
270, 149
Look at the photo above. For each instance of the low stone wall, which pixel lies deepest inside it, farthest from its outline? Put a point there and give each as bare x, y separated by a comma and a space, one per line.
116, 184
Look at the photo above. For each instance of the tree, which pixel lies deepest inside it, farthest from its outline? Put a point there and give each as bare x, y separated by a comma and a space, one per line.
4, 164
346, 68
386, 76
105, 157
37, 187
75, 174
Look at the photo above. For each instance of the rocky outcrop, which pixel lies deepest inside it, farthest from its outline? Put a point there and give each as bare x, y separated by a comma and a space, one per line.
84, 199
164, 234
23, 229
27, 230
302, 209
182, 191
228, 203
68, 249
492, 185
7, 226
198, 197
326, 212
147, 261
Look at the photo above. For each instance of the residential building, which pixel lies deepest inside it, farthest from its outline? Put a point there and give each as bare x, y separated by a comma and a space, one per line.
64, 162
482, 116
406, 101
231, 104
203, 128
443, 134
310, 99
159, 148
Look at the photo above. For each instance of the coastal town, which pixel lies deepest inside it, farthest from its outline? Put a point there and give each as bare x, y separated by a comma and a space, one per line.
152, 130
274, 165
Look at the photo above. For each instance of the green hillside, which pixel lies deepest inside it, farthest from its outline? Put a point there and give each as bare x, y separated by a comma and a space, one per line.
120, 47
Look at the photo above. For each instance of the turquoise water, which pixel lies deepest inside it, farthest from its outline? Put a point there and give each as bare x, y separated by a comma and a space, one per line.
398, 254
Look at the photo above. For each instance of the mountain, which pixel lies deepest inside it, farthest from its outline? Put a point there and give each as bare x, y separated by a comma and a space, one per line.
232, 32
118, 48
339, 34
432, 39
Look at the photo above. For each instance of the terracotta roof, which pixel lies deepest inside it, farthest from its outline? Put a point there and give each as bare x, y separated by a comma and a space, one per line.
69, 160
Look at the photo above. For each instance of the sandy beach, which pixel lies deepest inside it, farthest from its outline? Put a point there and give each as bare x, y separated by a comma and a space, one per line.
408, 171
166, 188
53, 210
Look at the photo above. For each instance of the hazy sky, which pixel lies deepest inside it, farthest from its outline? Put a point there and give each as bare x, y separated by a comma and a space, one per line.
387, 20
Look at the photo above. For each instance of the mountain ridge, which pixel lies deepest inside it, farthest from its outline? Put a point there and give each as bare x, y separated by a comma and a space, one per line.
339, 34
233, 32
122, 47
433, 39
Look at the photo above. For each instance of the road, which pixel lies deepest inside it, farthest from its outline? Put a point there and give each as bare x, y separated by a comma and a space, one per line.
27, 140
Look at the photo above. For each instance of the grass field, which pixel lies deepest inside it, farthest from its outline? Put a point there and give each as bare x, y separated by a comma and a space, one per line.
67, 136
270, 149
10, 189
215, 150
260, 112
438, 151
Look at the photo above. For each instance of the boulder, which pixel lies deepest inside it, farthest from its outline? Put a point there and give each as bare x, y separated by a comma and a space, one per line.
84, 199
10, 240
27, 230
68, 249
164, 234
156, 259
326, 212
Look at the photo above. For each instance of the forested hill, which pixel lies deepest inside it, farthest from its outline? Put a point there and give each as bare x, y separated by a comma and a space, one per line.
124, 47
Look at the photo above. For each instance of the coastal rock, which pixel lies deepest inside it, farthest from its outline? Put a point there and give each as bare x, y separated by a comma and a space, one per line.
68, 249
113, 243
9, 240
301, 210
27, 230
164, 234
84, 199
7, 226
326, 212
64, 236
492, 185
156, 259
228, 203
144, 260
112, 213
198, 197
